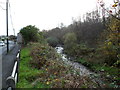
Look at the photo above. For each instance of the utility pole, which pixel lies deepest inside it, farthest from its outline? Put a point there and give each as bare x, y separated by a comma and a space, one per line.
7, 25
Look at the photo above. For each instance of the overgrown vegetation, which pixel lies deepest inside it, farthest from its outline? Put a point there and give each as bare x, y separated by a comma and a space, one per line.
41, 53
48, 73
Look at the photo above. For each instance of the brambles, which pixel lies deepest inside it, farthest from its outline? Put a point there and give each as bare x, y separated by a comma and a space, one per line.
54, 72
40, 54
59, 75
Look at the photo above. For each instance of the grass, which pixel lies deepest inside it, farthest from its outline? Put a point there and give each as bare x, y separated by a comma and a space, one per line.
84, 62
27, 74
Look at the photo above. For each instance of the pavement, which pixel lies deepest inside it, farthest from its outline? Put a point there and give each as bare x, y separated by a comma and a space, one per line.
8, 63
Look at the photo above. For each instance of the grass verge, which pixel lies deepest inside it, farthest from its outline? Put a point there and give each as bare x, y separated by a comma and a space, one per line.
27, 74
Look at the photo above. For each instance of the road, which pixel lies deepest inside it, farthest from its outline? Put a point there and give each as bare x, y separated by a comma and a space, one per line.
0, 68
4, 49
4, 62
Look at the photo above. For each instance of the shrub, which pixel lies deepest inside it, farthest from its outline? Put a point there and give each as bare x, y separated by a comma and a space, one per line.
40, 54
53, 41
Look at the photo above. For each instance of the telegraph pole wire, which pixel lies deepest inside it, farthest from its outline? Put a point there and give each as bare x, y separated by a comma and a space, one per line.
11, 19
2, 8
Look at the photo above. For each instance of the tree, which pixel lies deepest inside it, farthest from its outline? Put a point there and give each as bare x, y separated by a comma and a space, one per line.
12, 37
70, 40
41, 37
114, 10
30, 33
111, 46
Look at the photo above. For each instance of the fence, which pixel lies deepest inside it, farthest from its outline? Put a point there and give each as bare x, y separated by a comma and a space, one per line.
13, 79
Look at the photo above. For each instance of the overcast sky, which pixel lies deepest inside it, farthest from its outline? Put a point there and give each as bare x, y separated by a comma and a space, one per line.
44, 14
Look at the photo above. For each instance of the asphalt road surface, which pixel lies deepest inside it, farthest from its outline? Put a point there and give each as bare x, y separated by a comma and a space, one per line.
3, 49
0, 69
7, 62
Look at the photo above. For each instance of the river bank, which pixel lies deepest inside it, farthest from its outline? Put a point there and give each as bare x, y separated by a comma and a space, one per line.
81, 69
54, 73
108, 75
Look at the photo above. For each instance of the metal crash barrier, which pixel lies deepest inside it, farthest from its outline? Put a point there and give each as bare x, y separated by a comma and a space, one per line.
13, 79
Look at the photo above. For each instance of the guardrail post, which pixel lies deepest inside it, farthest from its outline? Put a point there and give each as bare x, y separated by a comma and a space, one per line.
11, 82
18, 60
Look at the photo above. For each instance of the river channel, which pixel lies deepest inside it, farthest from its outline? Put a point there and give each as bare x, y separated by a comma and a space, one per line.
79, 67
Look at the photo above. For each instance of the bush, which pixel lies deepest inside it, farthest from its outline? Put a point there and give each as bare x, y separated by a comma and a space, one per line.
38, 59
40, 54
53, 41
79, 50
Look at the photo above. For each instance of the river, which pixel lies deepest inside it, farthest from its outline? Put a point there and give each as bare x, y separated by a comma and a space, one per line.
79, 67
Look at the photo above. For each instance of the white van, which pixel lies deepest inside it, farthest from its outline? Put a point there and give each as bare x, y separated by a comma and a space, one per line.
2, 43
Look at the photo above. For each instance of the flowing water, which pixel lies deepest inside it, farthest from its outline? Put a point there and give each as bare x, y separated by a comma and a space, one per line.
79, 67
83, 70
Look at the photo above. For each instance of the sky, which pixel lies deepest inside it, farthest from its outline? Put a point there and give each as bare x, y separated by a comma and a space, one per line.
44, 14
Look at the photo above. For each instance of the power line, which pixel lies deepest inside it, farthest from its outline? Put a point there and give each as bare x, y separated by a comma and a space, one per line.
11, 19
2, 8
